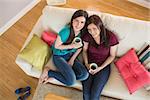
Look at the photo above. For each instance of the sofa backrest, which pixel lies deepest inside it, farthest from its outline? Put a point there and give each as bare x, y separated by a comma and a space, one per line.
130, 32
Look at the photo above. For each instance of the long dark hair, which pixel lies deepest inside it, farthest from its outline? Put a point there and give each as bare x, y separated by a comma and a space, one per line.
78, 13
95, 19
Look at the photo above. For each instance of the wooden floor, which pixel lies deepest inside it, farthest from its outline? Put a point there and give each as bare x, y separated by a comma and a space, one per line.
11, 76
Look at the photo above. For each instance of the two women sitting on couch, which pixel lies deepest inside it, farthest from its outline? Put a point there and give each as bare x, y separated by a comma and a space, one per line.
99, 46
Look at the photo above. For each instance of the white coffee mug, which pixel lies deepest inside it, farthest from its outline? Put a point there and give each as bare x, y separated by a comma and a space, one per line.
77, 40
93, 66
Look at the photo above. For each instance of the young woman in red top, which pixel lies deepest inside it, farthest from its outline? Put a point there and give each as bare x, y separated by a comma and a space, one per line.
100, 46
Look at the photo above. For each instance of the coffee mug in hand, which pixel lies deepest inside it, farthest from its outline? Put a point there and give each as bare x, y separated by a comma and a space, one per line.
93, 66
77, 40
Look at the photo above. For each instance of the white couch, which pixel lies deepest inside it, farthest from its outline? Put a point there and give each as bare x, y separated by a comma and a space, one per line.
131, 33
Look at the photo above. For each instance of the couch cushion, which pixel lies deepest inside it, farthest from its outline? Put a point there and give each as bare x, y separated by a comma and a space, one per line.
145, 56
132, 71
36, 53
120, 91
49, 37
142, 54
143, 49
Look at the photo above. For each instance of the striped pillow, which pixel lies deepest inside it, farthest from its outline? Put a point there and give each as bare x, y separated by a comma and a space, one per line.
148, 66
143, 49
144, 57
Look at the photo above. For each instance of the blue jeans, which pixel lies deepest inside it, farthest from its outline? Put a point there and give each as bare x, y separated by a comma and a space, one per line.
68, 74
93, 86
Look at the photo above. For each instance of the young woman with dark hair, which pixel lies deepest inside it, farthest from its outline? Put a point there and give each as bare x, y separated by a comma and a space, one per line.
65, 52
100, 46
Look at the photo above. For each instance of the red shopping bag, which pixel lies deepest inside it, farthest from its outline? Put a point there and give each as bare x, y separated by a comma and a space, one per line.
49, 37
132, 71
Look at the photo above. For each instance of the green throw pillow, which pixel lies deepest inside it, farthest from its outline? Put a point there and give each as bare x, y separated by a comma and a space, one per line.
36, 52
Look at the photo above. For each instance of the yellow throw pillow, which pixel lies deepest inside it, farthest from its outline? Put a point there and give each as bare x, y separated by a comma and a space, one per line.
37, 52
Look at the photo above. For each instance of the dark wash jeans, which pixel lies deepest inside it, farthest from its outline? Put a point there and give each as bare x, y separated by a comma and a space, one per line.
68, 74
93, 86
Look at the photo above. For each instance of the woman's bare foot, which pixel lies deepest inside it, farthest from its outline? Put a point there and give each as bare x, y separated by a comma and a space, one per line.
44, 75
48, 80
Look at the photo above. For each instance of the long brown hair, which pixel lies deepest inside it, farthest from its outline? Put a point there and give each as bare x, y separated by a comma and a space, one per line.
95, 19
78, 13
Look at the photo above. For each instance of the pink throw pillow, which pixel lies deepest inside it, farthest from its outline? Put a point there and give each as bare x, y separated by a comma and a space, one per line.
49, 37
132, 71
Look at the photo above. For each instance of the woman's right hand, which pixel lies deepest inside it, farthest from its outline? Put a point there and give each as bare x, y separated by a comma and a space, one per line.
87, 66
76, 45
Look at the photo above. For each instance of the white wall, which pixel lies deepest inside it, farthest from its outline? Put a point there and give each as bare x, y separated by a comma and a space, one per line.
12, 10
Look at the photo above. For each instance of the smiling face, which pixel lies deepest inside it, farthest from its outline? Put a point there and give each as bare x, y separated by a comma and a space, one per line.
78, 23
93, 30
